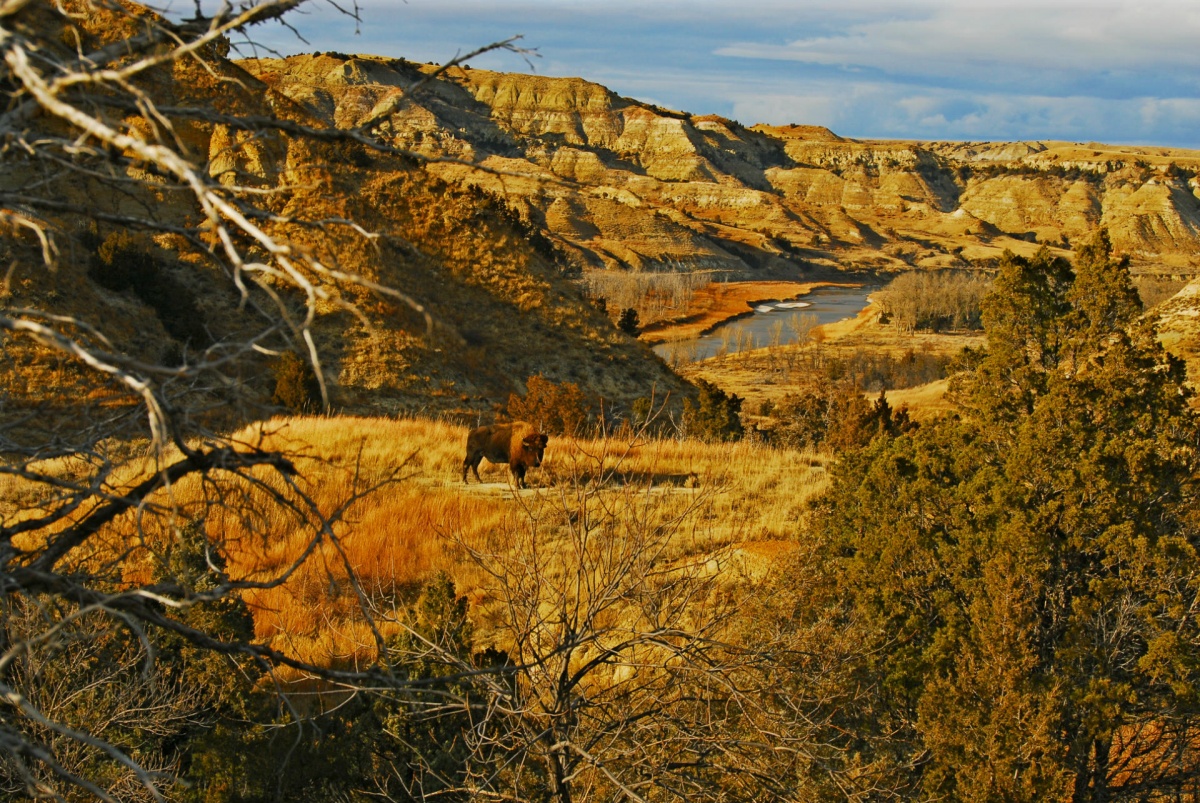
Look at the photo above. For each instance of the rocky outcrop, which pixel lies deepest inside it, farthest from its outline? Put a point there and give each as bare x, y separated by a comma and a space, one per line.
616, 184
623, 184
529, 181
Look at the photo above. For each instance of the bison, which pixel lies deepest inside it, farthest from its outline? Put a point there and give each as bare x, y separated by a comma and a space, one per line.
518, 444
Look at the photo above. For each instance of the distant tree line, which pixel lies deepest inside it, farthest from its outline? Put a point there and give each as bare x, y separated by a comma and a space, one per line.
935, 300
1073, 172
651, 295
1153, 290
835, 417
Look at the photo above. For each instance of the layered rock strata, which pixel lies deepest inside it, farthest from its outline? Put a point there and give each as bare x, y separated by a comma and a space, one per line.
620, 184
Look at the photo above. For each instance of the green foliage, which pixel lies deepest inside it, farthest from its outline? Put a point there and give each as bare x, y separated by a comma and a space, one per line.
1025, 317
423, 745
715, 416
556, 408
876, 371
404, 742
1102, 293
91, 677
629, 323
1094, 175
641, 410
836, 416
175, 707
296, 386
1026, 570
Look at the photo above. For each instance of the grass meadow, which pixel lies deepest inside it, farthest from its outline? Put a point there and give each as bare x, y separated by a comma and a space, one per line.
400, 514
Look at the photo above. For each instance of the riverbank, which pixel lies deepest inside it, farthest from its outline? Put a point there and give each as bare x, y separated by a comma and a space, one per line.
765, 376
719, 303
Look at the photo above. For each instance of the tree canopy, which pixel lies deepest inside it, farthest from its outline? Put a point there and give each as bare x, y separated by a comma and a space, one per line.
1028, 568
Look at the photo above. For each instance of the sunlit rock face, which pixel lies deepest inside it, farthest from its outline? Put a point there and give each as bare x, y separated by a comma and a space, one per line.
612, 184
623, 184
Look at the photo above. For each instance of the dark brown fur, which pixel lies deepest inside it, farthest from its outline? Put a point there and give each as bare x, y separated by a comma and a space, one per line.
519, 444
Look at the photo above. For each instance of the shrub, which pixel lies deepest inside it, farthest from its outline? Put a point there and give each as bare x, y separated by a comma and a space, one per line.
296, 386
715, 416
876, 371
836, 417
628, 322
124, 263
555, 408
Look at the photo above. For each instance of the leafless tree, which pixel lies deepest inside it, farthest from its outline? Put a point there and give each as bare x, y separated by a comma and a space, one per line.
120, 132
612, 602
944, 299
656, 295
633, 670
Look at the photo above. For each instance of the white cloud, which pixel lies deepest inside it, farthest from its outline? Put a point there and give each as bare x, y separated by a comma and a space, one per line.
1110, 70
996, 42
895, 111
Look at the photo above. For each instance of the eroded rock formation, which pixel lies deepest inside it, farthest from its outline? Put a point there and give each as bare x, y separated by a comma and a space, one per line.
623, 184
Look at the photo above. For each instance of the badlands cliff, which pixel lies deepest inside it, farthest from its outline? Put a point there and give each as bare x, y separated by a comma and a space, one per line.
506, 189
622, 184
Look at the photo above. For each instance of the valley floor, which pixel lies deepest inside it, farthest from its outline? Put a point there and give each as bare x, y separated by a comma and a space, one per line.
764, 376
721, 302
743, 505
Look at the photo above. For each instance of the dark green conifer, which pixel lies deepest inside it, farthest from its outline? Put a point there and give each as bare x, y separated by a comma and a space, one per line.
1028, 569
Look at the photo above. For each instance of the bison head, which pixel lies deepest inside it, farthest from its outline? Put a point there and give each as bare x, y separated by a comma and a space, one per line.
535, 448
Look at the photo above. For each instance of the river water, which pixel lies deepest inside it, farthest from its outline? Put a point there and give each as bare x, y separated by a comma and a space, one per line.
773, 323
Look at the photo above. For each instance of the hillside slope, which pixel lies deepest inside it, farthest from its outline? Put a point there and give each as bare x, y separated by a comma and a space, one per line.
520, 186
501, 305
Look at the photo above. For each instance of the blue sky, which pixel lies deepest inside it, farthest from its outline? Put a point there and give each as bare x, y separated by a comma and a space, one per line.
1117, 72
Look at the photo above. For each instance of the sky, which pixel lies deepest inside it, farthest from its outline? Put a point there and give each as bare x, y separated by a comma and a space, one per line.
1116, 72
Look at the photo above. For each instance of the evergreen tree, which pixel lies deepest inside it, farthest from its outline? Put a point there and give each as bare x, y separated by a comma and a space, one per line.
1023, 316
1028, 569
1102, 293
629, 323
296, 385
716, 416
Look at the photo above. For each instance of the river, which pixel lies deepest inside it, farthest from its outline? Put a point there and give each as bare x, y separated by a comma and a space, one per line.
773, 323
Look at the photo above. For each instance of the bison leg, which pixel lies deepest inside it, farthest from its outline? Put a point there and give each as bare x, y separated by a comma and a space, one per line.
518, 471
472, 462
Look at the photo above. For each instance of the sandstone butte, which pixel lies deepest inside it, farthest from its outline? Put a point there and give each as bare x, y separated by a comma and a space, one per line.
620, 185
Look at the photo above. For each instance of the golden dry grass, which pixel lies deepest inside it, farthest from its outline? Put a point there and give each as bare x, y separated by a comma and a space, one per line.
420, 517
396, 538
924, 401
